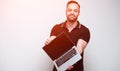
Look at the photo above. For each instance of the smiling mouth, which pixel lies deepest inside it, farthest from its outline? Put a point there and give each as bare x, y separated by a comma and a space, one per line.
71, 16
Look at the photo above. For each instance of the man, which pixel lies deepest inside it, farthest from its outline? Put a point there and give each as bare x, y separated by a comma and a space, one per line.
77, 32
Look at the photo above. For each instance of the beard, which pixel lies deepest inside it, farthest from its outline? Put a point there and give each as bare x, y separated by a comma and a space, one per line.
71, 18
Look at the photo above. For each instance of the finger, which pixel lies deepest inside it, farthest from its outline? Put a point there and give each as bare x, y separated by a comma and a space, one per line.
47, 42
70, 67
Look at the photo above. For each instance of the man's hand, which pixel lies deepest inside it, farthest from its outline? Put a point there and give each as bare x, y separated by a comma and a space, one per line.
70, 67
49, 39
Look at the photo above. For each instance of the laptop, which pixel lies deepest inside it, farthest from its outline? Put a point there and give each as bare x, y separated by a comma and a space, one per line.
62, 51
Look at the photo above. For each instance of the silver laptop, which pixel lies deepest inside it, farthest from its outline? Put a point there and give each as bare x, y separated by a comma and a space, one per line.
63, 52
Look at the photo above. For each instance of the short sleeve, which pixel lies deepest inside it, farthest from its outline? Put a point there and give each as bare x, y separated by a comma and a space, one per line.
55, 30
86, 35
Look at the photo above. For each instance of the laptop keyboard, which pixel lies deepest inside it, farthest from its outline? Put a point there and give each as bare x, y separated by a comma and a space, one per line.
66, 57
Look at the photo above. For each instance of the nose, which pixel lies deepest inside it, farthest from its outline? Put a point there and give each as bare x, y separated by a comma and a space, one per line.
72, 12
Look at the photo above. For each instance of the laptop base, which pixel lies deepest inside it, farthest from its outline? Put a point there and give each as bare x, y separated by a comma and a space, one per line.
69, 62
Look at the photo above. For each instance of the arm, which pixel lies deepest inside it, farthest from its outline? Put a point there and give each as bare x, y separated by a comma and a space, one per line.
53, 34
81, 44
49, 39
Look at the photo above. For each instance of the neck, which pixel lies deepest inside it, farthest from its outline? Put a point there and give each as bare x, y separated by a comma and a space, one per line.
71, 25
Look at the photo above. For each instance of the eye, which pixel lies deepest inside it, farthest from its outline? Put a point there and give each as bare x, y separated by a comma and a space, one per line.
76, 10
69, 10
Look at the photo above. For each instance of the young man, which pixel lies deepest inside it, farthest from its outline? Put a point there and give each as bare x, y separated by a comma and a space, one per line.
77, 32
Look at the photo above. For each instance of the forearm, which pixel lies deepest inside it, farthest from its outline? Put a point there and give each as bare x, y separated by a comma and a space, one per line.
81, 45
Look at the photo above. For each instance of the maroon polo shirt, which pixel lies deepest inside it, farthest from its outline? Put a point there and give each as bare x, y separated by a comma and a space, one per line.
79, 32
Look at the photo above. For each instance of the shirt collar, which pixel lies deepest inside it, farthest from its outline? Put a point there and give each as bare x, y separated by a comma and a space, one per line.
64, 24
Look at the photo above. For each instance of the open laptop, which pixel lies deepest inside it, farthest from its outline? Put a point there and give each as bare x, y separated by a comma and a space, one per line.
62, 51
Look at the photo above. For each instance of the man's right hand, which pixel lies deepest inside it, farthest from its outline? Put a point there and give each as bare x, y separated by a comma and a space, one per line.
49, 39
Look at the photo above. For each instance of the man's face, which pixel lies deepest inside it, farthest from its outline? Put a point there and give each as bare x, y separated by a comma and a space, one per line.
72, 12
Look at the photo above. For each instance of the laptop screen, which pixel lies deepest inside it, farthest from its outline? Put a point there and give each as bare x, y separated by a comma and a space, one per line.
58, 46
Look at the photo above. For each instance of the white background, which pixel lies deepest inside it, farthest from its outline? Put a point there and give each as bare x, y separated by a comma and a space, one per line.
26, 24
